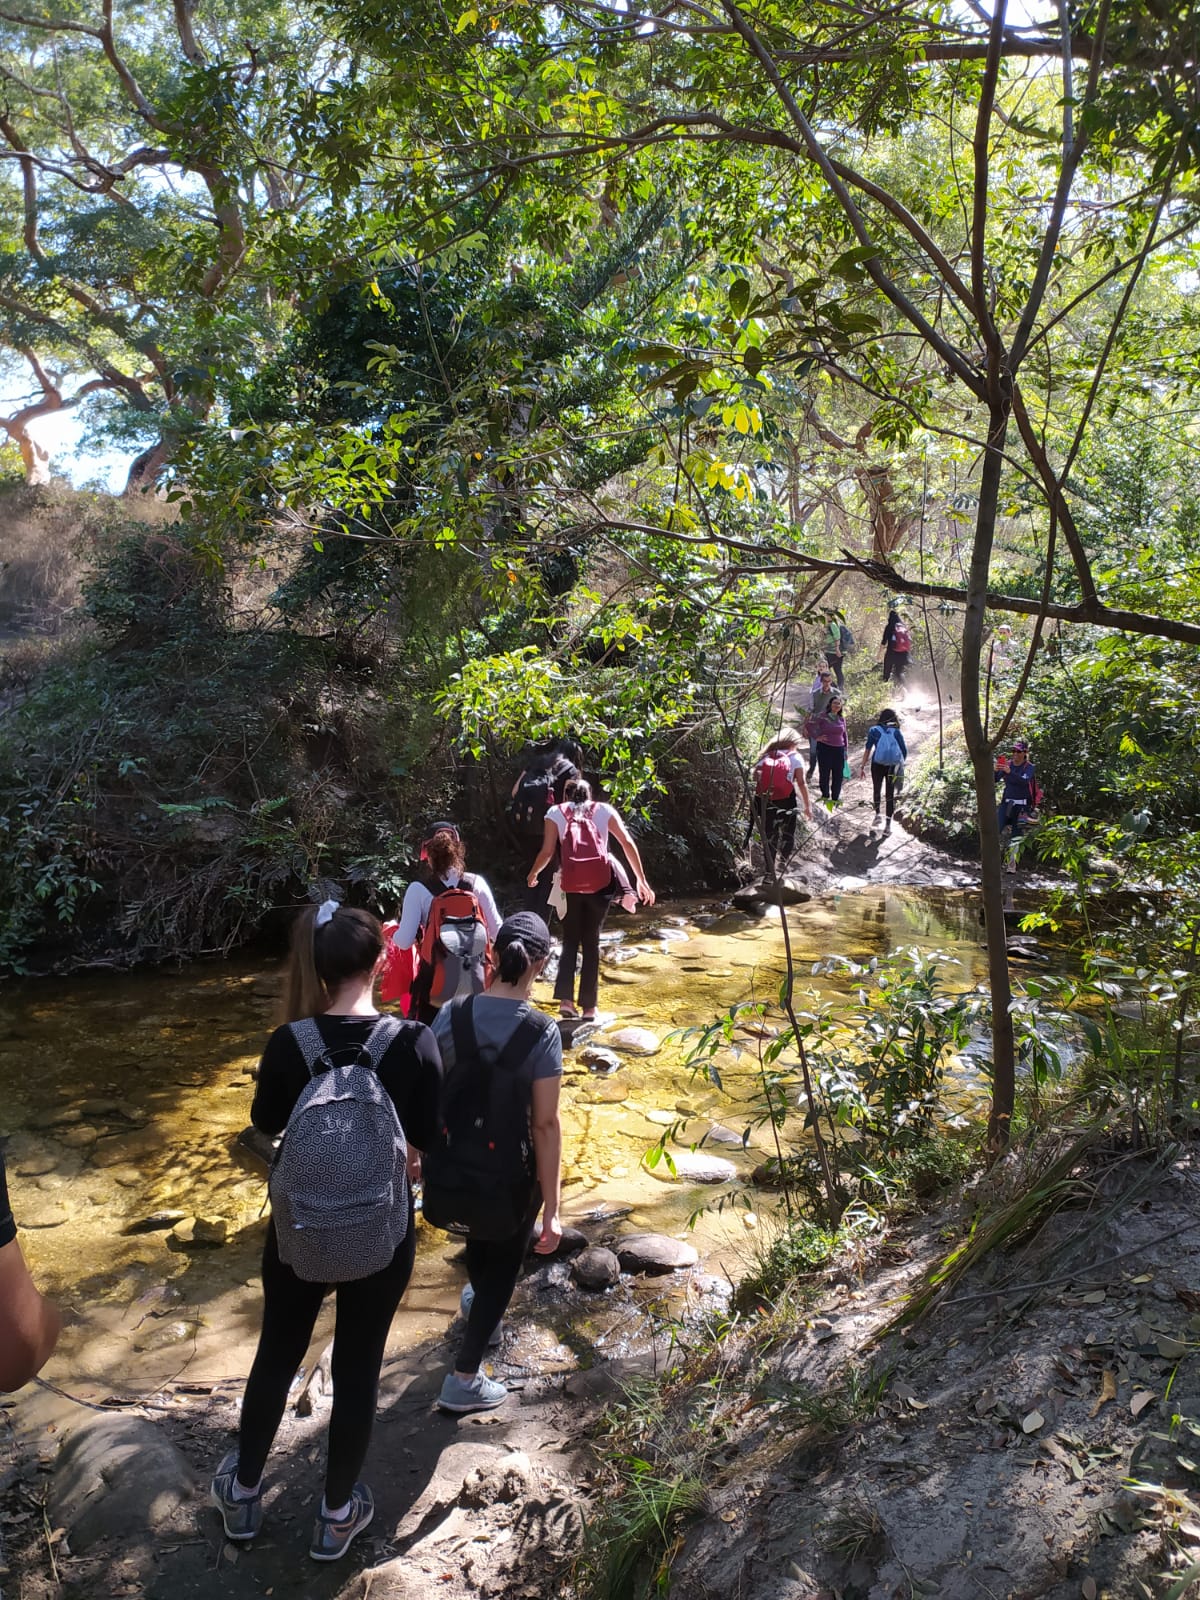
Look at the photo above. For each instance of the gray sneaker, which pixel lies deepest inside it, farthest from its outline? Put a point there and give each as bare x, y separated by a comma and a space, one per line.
474, 1394
242, 1518
465, 1301
331, 1539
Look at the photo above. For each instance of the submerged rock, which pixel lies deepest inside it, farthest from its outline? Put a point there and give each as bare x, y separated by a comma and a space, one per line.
115, 1149
636, 1041
693, 1166
596, 1268
654, 1253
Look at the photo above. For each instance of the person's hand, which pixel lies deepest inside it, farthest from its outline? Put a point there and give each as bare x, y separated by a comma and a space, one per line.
412, 1165
532, 879
645, 892
550, 1237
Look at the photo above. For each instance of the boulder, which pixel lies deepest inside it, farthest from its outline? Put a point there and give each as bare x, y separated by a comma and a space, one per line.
751, 901
654, 1253
117, 1478
791, 891
572, 1242
693, 1166
608, 1092
662, 1119
61, 1117
636, 1041
596, 1268
597, 1059
720, 1134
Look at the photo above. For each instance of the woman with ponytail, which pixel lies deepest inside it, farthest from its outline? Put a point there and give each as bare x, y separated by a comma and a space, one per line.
503, 1065
337, 952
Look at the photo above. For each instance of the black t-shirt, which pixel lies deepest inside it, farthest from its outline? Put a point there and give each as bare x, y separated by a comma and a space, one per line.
411, 1072
8, 1228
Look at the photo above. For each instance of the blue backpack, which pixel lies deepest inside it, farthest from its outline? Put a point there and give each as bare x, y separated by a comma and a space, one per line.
887, 753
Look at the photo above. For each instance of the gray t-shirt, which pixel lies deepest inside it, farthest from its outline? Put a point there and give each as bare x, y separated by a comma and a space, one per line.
495, 1023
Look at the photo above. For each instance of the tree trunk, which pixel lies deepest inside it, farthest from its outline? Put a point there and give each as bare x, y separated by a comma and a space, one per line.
145, 469
34, 456
980, 751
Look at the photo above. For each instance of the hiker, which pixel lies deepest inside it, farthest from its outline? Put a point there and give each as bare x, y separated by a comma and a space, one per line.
829, 730
819, 696
341, 1208
540, 784
1020, 794
451, 916
29, 1323
779, 783
832, 646
897, 648
498, 1156
887, 752
580, 827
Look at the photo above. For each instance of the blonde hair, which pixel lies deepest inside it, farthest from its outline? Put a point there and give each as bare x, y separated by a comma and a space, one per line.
785, 739
346, 946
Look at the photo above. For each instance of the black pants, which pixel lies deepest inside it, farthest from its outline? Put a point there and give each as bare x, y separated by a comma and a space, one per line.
493, 1266
835, 666
895, 665
581, 929
365, 1309
779, 827
831, 762
880, 776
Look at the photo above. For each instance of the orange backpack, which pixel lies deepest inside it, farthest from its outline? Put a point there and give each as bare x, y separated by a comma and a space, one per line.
456, 952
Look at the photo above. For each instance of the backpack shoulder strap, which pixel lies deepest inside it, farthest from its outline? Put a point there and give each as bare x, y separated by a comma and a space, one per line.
380, 1040
462, 1029
522, 1039
308, 1041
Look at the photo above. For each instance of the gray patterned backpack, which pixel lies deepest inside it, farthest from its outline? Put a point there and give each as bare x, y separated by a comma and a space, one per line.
339, 1186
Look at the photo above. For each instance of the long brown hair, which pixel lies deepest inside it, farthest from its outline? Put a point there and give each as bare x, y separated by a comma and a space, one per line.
346, 946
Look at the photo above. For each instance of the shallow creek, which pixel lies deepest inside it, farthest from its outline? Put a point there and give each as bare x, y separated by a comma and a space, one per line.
123, 1095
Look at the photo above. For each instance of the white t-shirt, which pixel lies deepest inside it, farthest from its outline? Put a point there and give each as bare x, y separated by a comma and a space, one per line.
795, 760
600, 813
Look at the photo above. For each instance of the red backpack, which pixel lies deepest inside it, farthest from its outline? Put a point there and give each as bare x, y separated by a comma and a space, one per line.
774, 778
585, 864
901, 638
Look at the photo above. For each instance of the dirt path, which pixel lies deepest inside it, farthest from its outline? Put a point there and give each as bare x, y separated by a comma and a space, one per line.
841, 850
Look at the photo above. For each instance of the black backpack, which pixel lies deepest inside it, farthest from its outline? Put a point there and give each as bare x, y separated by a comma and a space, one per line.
536, 793
480, 1176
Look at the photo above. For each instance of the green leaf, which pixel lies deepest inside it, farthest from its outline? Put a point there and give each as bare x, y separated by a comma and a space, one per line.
739, 296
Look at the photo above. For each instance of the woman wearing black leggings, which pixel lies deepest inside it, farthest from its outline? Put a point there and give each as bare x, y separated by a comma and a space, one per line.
336, 953
501, 1028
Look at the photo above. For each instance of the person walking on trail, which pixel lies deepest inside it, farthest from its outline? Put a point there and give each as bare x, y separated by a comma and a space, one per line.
819, 696
542, 783
897, 648
887, 752
29, 1323
1019, 795
779, 788
834, 650
580, 828
829, 729
452, 917
499, 1155
358, 1096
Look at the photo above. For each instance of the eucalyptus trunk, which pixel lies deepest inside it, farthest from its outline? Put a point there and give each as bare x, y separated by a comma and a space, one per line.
980, 750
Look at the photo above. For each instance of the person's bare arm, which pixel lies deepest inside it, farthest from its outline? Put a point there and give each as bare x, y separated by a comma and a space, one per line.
549, 840
801, 785
517, 785
29, 1323
621, 834
547, 1147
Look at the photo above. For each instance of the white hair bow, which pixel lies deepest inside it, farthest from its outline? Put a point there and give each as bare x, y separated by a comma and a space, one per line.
325, 912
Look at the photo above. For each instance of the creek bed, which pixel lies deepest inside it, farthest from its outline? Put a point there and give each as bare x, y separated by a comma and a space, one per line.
123, 1095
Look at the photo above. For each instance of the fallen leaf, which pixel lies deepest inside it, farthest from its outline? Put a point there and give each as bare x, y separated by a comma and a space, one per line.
1143, 1333
1094, 1298
729, 1516
1108, 1391
1033, 1422
1143, 1277
1140, 1401
1170, 1349
984, 1402
918, 1405
1088, 1589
